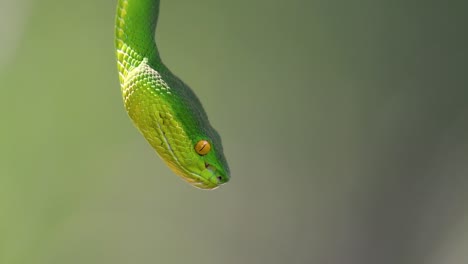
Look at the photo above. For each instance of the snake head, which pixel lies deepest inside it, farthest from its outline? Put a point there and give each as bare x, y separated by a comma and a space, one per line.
204, 166
193, 152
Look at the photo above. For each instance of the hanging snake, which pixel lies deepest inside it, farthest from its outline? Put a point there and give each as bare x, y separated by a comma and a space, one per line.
163, 108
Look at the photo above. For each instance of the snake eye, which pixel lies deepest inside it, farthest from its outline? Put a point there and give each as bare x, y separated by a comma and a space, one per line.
202, 147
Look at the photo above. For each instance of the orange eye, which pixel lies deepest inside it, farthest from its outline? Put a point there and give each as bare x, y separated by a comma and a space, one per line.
202, 147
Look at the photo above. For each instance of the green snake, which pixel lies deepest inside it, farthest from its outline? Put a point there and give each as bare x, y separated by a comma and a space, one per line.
163, 108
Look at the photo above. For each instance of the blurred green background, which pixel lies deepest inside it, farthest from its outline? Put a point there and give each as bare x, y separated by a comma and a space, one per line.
344, 124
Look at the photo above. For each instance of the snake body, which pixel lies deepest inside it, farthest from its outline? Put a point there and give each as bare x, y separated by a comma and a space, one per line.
163, 108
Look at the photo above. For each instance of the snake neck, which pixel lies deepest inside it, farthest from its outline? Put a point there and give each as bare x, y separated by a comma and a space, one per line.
135, 34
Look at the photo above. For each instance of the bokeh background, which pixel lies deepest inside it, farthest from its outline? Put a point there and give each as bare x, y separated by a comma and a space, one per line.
344, 124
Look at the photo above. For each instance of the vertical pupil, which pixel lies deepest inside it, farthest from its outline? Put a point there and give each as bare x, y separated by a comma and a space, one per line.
202, 147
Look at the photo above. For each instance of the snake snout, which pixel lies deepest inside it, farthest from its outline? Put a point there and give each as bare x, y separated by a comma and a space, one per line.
216, 175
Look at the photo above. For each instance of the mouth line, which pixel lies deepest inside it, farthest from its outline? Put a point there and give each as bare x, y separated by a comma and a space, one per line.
199, 181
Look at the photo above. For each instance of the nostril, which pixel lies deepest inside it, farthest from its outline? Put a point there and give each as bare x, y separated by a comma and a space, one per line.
219, 178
